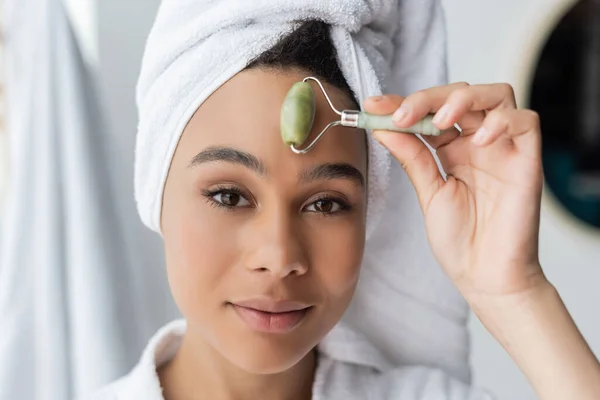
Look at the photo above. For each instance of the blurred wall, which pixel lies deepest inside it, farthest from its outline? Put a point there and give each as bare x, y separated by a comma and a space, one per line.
493, 40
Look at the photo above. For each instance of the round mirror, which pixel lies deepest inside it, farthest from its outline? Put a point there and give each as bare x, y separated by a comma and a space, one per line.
566, 93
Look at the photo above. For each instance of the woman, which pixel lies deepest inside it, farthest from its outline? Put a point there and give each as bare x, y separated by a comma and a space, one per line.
264, 247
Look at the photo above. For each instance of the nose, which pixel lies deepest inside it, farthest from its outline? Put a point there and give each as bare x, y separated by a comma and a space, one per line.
276, 246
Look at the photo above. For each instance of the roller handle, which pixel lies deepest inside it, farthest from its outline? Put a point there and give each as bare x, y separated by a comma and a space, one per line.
384, 122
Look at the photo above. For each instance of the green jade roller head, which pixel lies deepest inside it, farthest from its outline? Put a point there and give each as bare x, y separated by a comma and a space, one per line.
298, 115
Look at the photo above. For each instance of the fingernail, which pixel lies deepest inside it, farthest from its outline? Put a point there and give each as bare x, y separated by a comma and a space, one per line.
442, 115
480, 136
401, 113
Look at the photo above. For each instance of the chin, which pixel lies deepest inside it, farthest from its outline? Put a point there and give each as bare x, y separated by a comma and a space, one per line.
267, 355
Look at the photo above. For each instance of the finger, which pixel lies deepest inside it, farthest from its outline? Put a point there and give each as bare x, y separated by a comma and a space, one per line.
442, 140
452, 102
432, 100
383, 105
388, 104
418, 162
419, 104
474, 98
454, 153
453, 161
470, 122
522, 126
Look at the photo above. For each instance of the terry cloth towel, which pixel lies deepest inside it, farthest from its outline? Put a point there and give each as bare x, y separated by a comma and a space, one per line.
405, 311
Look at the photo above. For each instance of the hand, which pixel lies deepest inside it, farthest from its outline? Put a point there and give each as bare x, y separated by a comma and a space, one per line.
483, 221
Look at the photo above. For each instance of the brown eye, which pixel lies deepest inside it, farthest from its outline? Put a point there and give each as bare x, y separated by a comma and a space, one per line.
324, 206
328, 206
230, 199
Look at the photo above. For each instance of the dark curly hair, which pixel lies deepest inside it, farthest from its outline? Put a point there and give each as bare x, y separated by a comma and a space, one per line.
309, 48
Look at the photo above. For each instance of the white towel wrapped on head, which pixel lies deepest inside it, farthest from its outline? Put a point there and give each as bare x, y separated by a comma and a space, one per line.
405, 310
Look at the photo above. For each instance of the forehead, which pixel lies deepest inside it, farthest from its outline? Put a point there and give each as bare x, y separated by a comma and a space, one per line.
244, 114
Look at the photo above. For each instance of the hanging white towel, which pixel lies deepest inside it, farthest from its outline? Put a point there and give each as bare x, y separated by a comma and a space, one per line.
70, 317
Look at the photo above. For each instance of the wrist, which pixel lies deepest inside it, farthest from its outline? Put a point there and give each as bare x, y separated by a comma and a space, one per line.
537, 331
514, 316
491, 304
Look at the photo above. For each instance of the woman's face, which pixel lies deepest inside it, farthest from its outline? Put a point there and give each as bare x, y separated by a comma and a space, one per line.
263, 246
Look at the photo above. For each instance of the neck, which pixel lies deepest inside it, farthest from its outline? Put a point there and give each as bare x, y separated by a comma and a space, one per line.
198, 371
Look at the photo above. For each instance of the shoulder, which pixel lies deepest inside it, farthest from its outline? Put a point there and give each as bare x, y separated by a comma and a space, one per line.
143, 382
139, 383
338, 380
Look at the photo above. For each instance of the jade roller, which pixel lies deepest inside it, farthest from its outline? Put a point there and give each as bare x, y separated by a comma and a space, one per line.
298, 115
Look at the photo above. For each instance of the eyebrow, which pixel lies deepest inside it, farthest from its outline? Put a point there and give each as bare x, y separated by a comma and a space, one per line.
330, 171
231, 156
327, 171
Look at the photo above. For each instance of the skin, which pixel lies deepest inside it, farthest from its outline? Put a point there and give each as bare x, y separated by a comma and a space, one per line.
483, 225
278, 240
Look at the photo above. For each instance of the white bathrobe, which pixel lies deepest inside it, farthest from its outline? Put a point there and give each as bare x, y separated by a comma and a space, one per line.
334, 380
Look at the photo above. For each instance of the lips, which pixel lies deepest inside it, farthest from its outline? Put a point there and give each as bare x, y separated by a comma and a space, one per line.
270, 316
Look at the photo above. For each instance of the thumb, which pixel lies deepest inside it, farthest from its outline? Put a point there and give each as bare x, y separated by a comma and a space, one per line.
416, 160
414, 156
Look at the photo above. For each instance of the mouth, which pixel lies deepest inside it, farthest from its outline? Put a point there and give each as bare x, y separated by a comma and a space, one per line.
269, 316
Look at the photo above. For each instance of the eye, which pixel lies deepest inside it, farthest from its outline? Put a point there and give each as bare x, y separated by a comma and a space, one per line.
327, 206
229, 198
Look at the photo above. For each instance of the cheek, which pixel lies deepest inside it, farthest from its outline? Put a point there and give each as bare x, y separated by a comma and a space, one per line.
198, 256
338, 257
